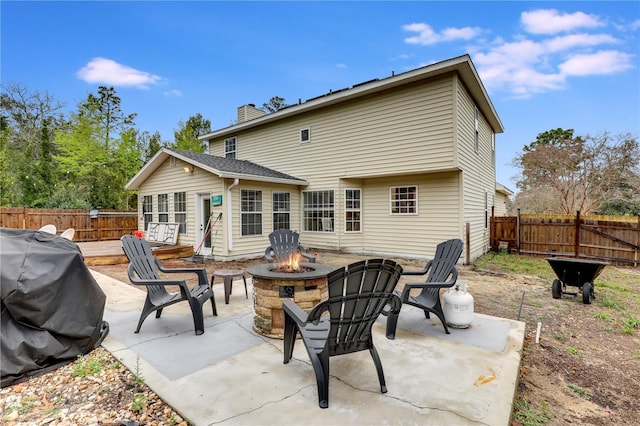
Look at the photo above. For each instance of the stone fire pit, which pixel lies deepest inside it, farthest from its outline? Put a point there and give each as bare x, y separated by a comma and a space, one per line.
306, 288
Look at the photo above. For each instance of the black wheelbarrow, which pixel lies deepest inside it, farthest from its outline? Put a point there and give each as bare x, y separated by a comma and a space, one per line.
577, 273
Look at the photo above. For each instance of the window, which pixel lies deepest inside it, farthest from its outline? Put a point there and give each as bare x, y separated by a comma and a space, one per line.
180, 210
230, 147
147, 210
305, 135
251, 212
404, 199
163, 208
317, 211
352, 210
281, 210
477, 134
486, 209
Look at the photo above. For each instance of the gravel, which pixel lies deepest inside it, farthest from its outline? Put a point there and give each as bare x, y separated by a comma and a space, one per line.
96, 389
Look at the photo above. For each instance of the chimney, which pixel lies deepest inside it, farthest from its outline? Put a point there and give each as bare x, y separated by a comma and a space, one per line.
249, 112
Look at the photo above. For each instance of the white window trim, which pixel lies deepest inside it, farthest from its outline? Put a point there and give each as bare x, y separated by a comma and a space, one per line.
352, 210
235, 145
391, 201
486, 210
145, 224
166, 205
261, 212
308, 129
177, 212
332, 210
273, 209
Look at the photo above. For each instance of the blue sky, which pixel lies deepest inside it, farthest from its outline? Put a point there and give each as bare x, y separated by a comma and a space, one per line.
545, 64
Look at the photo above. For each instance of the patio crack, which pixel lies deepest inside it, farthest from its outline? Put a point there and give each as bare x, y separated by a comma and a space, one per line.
412, 404
266, 404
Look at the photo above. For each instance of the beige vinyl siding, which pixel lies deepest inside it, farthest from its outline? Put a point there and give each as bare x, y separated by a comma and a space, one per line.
478, 170
438, 216
256, 244
348, 140
501, 204
169, 179
353, 240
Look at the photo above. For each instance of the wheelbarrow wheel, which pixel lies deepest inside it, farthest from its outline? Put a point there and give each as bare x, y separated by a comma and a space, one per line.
587, 293
556, 289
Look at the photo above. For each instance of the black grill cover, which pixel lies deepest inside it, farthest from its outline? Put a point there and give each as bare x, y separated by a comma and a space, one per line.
52, 307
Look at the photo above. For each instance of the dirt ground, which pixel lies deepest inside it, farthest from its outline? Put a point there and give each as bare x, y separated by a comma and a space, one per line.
579, 372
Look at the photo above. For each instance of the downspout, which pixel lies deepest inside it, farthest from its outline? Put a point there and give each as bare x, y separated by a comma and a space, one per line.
229, 215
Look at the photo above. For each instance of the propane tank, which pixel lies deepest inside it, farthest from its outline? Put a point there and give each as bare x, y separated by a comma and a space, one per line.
458, 306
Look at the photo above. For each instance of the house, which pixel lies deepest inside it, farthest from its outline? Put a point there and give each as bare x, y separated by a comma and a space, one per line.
503, 196
390, 167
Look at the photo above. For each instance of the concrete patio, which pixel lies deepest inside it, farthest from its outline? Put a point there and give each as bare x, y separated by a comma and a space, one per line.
232, 375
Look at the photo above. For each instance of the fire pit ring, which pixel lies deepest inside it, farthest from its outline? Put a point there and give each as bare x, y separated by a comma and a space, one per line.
306, 288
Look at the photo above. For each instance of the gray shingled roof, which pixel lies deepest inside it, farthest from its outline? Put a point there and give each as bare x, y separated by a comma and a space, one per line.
231, 165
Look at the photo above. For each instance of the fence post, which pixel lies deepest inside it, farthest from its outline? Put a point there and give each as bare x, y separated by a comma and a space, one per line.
492, 224
576, 247
518, 232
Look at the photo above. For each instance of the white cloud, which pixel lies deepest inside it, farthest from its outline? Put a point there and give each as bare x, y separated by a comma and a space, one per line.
107, 71
341, 66
173, 92
520, 68
401, 57
567, 42
598, 63
545, 59
549, 21
427, 36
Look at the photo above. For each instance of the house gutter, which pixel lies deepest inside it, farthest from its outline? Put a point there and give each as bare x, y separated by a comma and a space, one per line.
229, 215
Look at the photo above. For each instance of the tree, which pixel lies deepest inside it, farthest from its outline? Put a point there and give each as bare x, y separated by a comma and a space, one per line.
106, 108
577, 173
186, 137
276, 103
6, 192
98, 153
29, 121
149, 145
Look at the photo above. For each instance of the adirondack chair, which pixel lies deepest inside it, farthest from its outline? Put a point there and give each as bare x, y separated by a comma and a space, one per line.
143, 270
284, 243
442, 274
357, 296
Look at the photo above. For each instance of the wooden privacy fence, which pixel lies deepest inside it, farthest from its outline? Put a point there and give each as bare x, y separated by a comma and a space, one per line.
611, 238
89, 225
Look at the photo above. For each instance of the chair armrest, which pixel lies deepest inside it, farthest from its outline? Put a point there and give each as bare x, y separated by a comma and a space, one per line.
138, 281
395, 303
295, 312
304, 253
268, 255
201, 273
429, 285
410, 286
424, 271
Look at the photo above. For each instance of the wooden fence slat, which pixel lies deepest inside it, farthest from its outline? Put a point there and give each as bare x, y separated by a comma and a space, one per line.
611, 238
109, 225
